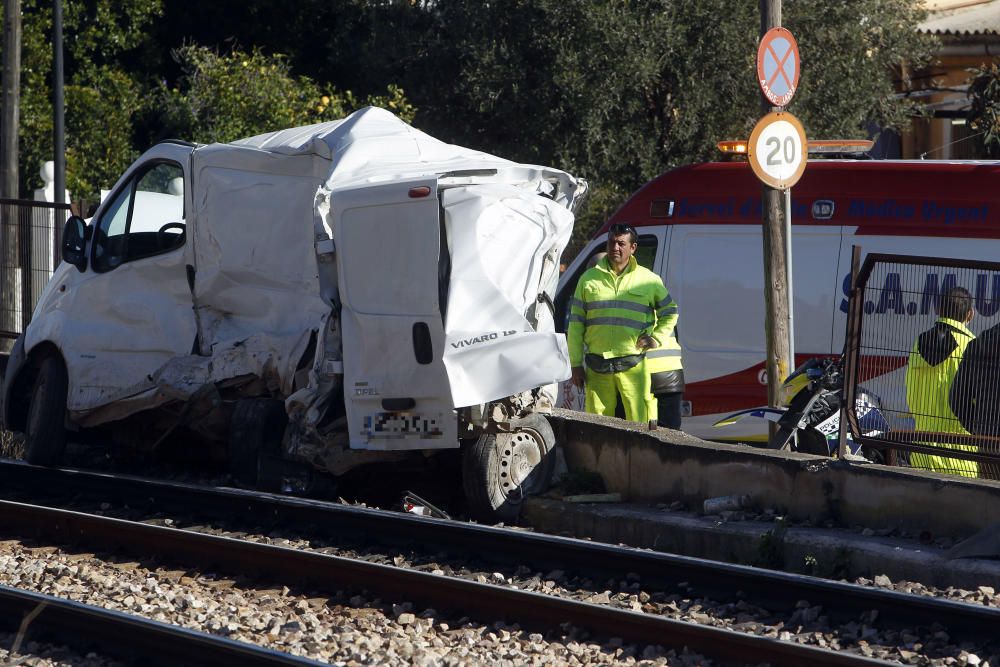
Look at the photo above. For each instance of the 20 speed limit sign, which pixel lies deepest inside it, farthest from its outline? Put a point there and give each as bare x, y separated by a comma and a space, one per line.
777, 150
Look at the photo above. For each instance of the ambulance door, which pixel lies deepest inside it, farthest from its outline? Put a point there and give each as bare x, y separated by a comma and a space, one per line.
392, 269
716, 275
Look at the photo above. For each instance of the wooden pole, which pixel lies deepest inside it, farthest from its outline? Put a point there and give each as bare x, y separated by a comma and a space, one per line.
58, 107
775, 269
9, 175
11, 98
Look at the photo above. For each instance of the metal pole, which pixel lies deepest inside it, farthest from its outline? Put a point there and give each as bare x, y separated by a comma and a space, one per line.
788, 269
58, 110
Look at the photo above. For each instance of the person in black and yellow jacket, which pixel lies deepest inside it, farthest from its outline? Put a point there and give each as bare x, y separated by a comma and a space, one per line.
933, 364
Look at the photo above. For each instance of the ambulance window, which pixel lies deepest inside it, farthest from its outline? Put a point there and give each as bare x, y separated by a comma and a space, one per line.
722, 269
645, 255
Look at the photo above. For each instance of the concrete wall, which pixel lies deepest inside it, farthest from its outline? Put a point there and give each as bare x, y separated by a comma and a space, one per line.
665, 465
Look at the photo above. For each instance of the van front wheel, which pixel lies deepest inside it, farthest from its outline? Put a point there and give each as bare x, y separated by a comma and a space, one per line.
500, 469
45, 433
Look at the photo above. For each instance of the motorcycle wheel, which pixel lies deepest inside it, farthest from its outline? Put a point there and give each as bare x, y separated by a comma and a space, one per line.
809, 442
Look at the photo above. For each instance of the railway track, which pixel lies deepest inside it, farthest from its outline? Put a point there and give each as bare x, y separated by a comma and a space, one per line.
544, 613
127, 637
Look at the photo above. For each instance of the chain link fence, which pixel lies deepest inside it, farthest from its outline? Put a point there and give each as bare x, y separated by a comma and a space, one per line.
924, 337
30, 242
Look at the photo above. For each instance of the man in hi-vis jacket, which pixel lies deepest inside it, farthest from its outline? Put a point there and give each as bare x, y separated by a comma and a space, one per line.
931, 370
619, 312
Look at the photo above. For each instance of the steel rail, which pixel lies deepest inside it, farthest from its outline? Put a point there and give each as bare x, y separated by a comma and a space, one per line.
769, 589
123, 636
312, 570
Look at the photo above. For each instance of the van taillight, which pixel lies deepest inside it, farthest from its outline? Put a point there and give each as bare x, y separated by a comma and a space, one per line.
421, 191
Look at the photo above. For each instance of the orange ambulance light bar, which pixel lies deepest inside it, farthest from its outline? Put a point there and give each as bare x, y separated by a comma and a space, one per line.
840, 145
732, 147
814, 146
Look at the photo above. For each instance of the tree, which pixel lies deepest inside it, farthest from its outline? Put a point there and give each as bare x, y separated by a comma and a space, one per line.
984, 115
618, 91
121, 96
100, 94
221, 98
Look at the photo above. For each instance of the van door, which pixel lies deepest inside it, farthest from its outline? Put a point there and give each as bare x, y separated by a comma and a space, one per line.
131, 310
716, 275
392, 268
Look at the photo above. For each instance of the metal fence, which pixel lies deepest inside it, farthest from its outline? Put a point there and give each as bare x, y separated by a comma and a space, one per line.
937, 386
30, 239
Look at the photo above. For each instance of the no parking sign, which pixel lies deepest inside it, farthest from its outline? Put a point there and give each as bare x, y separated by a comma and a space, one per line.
778, 66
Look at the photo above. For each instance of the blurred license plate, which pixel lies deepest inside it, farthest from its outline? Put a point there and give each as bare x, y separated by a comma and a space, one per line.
401, 425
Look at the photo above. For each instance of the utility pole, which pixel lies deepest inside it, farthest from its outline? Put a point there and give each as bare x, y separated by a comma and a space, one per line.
778, 363
9, 177
58, 108
11, 98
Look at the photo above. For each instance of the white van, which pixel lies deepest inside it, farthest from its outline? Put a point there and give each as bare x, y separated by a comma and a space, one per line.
335, 295
700, 229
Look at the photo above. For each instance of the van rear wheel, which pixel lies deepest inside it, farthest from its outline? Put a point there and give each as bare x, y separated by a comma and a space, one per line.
45, 433
500, 469
256, 429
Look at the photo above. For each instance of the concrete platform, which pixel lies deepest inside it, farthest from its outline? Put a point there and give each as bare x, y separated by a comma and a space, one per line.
826, 552
664, 467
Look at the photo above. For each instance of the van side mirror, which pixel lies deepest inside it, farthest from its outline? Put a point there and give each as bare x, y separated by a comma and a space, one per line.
74, 242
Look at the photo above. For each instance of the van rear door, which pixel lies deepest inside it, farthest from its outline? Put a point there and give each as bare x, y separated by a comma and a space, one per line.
392, 269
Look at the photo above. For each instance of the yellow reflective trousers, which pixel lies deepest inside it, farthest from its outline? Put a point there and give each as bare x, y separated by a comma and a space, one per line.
603, 390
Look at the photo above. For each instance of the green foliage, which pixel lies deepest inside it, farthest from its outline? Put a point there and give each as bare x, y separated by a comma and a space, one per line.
618, 91
615, 91
851, 53
115, 109
226, 97
101, 98
984, 93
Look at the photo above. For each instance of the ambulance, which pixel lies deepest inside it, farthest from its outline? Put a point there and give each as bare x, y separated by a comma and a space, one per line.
700, 229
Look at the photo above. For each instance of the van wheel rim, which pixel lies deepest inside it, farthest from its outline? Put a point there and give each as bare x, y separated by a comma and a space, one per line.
520, 453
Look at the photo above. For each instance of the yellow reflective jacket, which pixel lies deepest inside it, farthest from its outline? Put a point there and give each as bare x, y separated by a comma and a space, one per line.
931, 370
609, 312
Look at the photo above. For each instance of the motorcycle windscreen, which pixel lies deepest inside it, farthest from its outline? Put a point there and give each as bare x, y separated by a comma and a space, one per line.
505, 243
388, 246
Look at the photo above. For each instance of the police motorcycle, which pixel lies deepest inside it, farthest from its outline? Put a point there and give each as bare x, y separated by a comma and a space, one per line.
809, 417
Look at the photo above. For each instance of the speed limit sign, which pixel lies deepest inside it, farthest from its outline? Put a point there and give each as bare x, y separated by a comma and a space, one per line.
777, 150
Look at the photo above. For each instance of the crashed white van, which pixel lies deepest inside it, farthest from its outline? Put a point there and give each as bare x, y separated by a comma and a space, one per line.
334, 295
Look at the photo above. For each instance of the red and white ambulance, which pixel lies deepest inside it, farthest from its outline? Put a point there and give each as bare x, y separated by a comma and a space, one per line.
700, 229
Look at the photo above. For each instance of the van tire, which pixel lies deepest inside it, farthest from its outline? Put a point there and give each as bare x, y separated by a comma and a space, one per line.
500, 469
256, 429
45, 430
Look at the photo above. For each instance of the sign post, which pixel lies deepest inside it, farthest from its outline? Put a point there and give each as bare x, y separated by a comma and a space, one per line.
777, 152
